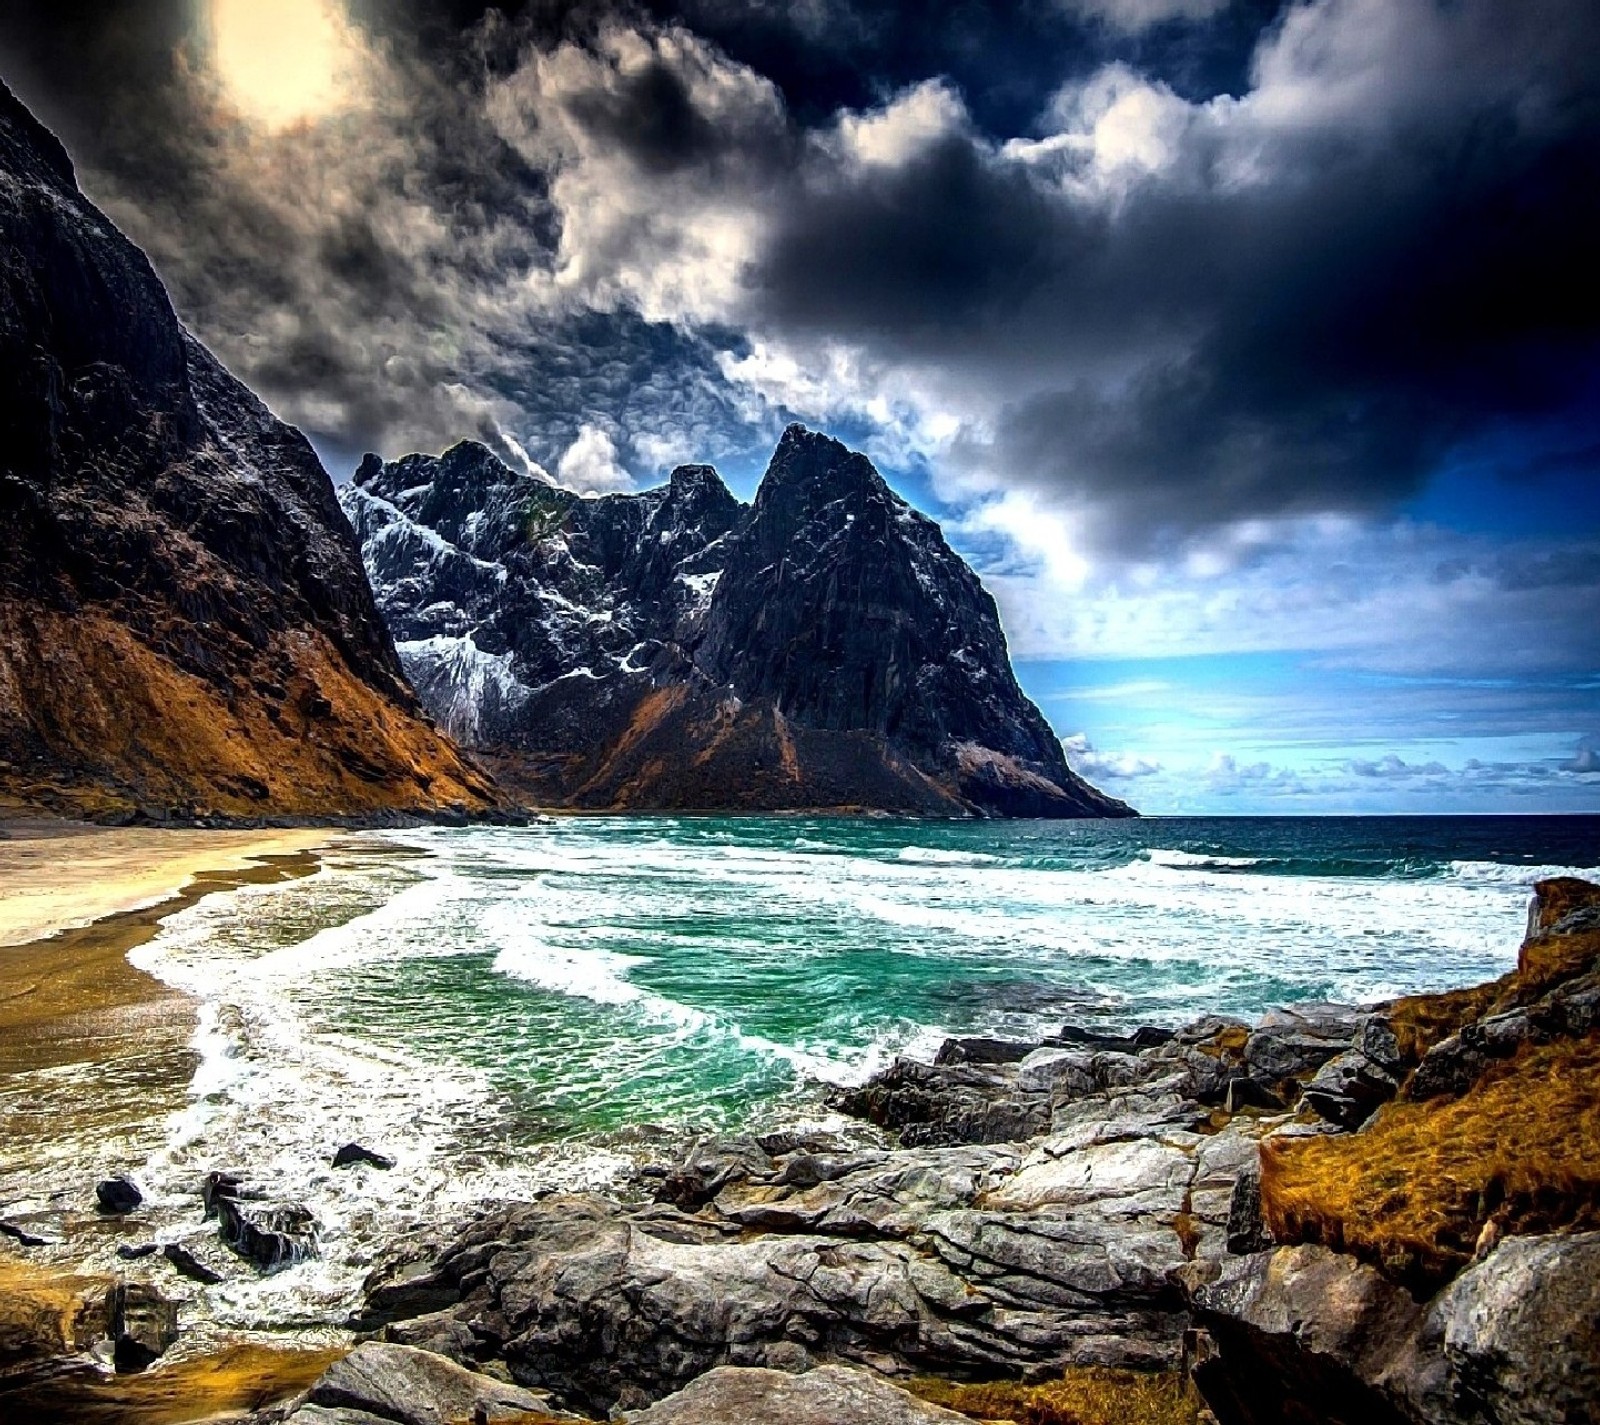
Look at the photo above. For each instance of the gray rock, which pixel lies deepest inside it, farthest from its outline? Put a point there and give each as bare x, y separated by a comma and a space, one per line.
143, 1324
1349, 1088
1520, 1336
1302, 1333
1289, 1044
827, 1395
405, 1386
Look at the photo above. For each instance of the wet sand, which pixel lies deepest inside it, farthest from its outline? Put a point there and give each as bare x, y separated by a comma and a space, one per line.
85, 1035
68, 919
56, 876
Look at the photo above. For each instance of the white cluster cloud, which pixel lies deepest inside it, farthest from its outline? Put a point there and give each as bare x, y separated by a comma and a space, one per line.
589, 465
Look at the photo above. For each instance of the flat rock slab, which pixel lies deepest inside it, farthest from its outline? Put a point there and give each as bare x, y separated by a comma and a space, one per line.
404, 1386
828, 1395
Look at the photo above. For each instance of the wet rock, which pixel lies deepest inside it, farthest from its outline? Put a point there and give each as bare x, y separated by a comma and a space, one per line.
1349, 1088
143, 1324
982, 1051
271, 1235
406, 1386
710, 1165
187, 1264
1147, 1036
128, 1252
356, 1153
117, 1195
21, 1235
943, 1104
827, 1395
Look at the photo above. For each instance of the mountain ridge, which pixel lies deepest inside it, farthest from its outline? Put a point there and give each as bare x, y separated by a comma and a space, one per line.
821, 648
186, 628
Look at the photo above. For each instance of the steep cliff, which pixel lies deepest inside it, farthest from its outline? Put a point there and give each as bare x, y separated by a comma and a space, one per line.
823, 647
185, 625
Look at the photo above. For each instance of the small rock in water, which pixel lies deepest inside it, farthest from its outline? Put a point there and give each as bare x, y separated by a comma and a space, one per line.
22, 1235
118, 1195
143, 1325
131, 1253
356, 1153
189, 1265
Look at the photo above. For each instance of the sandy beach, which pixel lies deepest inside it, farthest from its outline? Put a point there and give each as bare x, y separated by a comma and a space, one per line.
56, 876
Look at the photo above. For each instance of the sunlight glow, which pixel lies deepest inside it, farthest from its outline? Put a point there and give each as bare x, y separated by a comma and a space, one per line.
284, 62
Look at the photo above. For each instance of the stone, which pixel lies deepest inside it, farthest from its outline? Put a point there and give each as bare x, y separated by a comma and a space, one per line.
187, 1264
143, 1325
1292, 1043
1302, 1333
406, 1386
1246, 1231
825, 1395
355, 1153
271, 1235
1349, 1089
1519, 1333
117, 1195
982, 1051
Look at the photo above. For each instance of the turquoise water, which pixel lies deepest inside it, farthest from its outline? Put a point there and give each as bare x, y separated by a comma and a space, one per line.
610, 972
504, 1009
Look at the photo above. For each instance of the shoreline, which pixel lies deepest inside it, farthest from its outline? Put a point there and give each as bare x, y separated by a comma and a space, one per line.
68, 993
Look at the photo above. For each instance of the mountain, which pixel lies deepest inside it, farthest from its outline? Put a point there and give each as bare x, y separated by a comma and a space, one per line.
821, 648
185, 625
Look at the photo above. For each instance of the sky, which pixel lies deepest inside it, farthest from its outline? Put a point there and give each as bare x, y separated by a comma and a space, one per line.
1249, 350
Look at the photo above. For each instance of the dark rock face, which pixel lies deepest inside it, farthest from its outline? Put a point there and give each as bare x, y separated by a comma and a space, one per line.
267, 1233
823, 647
1303, 1333
185, 625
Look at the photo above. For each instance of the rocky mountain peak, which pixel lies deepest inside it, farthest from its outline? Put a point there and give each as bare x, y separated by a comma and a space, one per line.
822, 647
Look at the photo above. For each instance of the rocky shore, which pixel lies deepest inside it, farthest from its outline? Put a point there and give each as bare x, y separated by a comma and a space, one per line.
1344, 1214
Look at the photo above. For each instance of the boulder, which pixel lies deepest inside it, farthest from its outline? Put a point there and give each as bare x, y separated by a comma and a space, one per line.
143, 1324
1290, 1044
826, 1395
269, 1235
941, 1104
405, 1386
1519, 1334
1303, 1334
982, 1051
117, 1195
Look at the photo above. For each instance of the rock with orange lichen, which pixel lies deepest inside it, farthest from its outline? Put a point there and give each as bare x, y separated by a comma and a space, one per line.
185, 625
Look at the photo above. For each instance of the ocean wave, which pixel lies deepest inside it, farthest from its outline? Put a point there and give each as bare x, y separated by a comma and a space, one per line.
1197, 861
936, 856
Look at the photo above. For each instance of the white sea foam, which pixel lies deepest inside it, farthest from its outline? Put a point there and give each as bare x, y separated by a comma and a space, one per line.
1159, 856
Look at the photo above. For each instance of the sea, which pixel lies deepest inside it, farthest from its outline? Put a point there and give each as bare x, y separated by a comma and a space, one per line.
508, 1011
